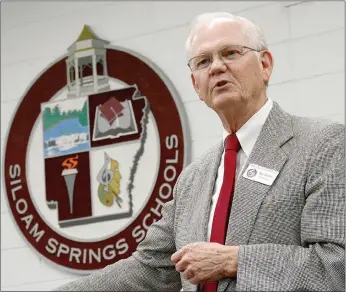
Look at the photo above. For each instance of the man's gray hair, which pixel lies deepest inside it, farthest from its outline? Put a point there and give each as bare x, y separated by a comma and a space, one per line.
252, 30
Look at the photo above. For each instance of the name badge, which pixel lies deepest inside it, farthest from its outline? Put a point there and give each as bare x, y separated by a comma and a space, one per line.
260, 174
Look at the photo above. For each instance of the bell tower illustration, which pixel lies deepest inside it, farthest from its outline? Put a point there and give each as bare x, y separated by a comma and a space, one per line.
86, 65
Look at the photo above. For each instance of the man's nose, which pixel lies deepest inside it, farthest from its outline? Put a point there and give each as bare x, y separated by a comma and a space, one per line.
217, 65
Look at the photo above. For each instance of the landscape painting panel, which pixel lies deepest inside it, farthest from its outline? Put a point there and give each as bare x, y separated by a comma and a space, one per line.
65, 127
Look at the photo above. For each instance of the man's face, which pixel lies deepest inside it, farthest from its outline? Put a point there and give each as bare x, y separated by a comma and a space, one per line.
232, 83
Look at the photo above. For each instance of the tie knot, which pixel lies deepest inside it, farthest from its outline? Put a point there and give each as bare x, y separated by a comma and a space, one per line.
232, 143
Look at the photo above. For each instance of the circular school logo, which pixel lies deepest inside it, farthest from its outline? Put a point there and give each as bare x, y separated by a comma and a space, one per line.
92, 154
251, 172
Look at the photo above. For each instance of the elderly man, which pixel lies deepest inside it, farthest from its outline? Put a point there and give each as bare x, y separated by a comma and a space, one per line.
261, 211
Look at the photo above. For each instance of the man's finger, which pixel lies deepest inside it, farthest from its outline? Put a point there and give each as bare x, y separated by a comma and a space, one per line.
177, 256
181, 265
195, 280
188, 274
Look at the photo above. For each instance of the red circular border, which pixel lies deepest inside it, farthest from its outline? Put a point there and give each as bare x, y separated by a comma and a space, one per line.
123, 66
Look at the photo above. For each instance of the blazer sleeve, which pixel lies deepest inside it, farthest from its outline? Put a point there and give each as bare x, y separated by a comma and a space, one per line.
319, 263
149, 268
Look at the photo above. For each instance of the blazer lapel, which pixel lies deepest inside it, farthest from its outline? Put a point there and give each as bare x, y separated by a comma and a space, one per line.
208, 179
249, 194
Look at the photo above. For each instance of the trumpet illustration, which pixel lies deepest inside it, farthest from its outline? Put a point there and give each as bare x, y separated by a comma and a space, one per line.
109, 179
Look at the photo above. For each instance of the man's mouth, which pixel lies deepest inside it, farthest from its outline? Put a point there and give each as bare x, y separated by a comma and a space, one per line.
221, 83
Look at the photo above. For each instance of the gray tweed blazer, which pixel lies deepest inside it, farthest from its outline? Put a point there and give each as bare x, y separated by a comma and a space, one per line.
291, 234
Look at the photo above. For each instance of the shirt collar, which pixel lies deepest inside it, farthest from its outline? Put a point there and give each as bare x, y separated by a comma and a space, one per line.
249, 132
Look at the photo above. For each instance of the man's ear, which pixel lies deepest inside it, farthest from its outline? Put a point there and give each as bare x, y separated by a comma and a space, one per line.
195, 86
267, 65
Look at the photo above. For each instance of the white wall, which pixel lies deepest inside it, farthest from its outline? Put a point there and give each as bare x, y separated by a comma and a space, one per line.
307, 40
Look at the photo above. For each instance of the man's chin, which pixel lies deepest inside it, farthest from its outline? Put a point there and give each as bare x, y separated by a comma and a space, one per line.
223, 100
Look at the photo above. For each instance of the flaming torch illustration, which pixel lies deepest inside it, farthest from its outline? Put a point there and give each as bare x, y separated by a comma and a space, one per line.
69, 173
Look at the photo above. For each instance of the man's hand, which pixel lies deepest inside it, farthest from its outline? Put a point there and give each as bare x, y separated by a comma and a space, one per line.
203, 261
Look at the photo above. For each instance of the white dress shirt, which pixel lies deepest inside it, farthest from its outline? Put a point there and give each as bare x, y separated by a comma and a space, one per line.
247, 136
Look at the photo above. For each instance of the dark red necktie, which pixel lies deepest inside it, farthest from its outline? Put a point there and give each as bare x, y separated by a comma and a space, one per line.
224, 202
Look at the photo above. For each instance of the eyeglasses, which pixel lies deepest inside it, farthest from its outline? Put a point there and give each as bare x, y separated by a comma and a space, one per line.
227, 54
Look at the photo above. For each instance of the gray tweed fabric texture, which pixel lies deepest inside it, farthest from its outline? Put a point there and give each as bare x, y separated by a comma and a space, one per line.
291, 234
